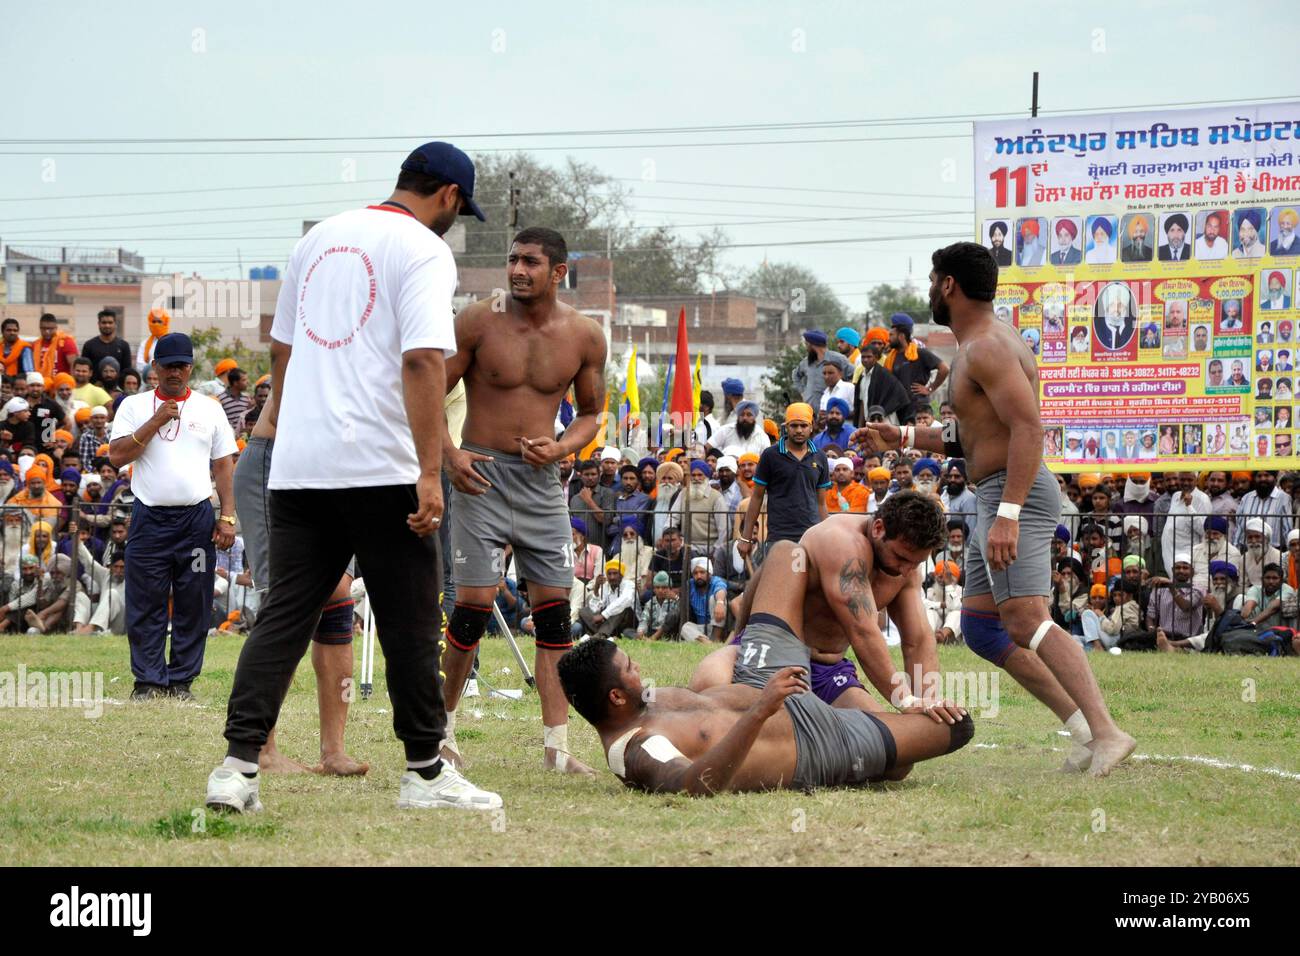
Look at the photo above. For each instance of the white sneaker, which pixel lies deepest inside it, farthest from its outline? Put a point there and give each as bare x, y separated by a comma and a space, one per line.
448, 789
230, 790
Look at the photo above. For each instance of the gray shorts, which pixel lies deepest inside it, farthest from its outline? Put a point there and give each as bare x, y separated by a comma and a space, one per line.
253, 506
1031, 573
524, 508
834, 747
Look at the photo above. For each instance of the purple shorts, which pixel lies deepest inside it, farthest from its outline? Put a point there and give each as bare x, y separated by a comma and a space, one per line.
828, 680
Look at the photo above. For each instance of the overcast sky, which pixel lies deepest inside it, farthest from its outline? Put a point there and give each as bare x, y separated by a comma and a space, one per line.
483, 75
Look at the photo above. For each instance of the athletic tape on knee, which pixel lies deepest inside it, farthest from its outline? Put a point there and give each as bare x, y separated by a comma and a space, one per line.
985, 635
468, 622
335, 625
1040, 634
551, 626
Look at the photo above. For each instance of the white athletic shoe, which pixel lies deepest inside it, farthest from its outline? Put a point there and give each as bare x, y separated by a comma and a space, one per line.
448, 789
230, 790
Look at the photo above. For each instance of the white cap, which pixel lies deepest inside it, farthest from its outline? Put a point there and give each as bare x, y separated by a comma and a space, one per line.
1182, 557
727, 461
16, 405
1254, 524
99, 410
611, 454
35, 378
704, 563
836, 462
1293, 535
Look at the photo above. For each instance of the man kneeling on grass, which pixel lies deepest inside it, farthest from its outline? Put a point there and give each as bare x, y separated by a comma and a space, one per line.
739, 738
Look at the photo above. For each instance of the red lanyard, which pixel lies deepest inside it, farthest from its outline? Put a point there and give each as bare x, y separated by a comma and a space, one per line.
177, 422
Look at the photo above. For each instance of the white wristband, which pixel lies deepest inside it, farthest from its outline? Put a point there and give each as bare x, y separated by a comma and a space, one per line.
1007, 510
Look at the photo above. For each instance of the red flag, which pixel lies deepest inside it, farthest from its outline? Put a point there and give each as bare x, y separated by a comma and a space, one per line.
682, 407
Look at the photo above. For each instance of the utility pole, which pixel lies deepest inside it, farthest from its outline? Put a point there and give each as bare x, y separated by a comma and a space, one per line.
512, 217
1033, 103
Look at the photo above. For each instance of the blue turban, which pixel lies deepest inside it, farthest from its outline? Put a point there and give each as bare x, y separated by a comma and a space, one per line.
960, 465
1217, 523
699, 464
901, 320
1226, 568
1062, 533
839, 403
648, 460
733, 386
578, 525
752, 406
625, 522
7, 468
850, 335
70, 474
815, 337
926, 464
1102, 223
1249, 215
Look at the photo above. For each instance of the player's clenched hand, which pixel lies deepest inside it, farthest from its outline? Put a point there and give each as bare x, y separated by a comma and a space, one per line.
1001, 549
786, 682
460, 468
540, 451
877, 437
428, 492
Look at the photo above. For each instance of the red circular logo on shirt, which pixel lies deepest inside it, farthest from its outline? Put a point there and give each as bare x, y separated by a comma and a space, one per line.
331, 339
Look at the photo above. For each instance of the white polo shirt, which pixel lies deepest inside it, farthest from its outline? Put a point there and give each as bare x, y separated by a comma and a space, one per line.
175, 466
361, 288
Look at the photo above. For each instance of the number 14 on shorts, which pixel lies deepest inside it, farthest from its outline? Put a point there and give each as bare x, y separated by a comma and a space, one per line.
752, 650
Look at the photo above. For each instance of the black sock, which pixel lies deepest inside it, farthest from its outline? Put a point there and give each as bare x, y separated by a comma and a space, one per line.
431, 771
250, 776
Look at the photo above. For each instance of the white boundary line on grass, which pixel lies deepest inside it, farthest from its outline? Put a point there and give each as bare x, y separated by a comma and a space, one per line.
1203, 761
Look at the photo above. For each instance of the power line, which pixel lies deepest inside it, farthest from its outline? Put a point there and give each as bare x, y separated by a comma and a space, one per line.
933, 119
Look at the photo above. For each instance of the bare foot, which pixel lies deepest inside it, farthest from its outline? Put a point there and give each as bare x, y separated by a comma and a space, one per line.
1078, 759
340, 765
1109, 752
272, 761
34, 621
571, 763
1162, 641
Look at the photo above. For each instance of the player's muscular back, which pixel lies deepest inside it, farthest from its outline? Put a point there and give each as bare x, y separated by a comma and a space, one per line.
984, 436
518, 370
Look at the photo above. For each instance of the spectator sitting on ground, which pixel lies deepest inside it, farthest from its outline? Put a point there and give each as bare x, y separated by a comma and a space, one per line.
943, 603
659, 618
1224, 594
635, 555
1270, 603
53, 608
105, 612
609, 610
1213, 547
670, 558
23, 593
707, 599
588, 559
1258, 553
38, 503
1092, 619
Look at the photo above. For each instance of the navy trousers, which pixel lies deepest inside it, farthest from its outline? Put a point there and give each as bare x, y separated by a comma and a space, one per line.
169, 555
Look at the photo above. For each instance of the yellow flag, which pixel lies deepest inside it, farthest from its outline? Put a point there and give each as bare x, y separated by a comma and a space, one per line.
632, 391
599, 440
697, 387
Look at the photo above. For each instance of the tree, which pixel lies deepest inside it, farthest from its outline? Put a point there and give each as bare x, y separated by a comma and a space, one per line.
209, 350
778, 384
811, 302
884, 300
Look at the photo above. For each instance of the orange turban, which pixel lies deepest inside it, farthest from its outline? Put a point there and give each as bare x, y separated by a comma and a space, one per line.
63, 378
266, 380
1098, 590
948, 567
225, 365
1140, 475
160, 324
1242, 474
672, 454
65, 435
1089, 480
46, 462
239, 443
879, 474
797, 412
1029, 227
878, 334
771, 428
747, 456
1114, 567
82, 415
37, 470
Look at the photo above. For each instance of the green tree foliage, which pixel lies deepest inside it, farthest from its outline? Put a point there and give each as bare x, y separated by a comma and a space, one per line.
778, 384
884, 300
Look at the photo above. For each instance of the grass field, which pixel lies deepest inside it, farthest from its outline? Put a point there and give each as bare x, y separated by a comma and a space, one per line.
124, 789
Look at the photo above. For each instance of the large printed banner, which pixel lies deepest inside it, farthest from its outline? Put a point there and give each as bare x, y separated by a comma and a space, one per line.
1150, 262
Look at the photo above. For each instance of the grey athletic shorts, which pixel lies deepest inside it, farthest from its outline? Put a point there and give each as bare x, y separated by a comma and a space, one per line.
524, 508
1031, 573
253, 506
835, 747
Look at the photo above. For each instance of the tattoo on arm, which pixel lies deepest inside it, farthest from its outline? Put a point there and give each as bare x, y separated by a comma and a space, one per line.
856, 589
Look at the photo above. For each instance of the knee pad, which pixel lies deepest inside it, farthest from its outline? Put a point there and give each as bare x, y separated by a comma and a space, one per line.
468, 622
960, 733
985, 635
335, 625
551, 629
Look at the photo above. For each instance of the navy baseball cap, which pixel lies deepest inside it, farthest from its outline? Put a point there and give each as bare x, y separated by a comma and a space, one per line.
449, 164
172, 348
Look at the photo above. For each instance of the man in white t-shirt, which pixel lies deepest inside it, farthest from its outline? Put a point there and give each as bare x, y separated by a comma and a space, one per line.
362, 330
177, 442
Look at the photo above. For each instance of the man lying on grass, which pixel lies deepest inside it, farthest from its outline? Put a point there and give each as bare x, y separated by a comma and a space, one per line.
737, 737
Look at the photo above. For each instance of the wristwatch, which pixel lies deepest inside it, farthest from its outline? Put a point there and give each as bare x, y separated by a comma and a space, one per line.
228, 519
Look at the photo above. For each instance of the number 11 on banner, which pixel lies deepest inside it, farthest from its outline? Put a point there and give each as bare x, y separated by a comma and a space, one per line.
1020, 176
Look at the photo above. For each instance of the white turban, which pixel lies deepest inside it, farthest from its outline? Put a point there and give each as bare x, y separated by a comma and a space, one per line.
1255, 524
704, 563
1136, 521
